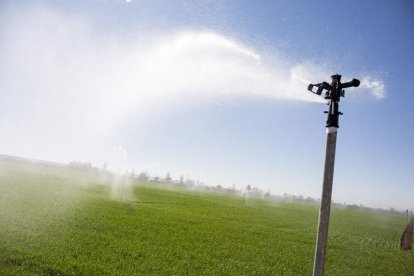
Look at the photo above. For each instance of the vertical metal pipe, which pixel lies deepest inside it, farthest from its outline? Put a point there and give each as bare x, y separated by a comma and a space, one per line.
321, 242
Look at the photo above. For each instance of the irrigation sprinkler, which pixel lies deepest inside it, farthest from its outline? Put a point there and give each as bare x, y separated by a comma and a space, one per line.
333, 94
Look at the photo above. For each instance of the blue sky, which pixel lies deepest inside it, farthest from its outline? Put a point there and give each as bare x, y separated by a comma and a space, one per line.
216, 91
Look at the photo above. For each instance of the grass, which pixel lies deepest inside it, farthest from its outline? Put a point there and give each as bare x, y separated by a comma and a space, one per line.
58, 221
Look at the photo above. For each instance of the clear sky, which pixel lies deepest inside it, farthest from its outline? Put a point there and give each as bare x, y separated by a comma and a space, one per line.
214, 90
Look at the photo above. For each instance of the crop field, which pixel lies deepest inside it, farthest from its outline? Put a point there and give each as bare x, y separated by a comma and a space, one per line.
56, 220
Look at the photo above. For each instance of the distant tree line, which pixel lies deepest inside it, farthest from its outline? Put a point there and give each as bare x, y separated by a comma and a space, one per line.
247, 191
84, 166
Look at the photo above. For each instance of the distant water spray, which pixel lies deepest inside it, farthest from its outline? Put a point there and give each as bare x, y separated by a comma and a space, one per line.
121, 181
121, 187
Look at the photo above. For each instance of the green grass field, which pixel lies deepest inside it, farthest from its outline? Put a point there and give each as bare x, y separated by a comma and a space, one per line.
60, 221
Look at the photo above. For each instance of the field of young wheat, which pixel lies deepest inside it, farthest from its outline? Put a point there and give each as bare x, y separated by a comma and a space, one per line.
62, 221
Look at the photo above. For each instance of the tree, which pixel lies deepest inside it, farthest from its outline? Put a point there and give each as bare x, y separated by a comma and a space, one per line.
143, 176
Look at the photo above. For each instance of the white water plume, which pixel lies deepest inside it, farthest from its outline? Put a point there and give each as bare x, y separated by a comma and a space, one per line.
374, 86
65, 81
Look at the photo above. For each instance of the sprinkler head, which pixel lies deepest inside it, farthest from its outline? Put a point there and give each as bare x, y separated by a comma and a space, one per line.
336, 79
333, 93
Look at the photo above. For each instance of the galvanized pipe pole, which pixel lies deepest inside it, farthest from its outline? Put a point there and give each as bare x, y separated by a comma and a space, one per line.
333, 94
325, 209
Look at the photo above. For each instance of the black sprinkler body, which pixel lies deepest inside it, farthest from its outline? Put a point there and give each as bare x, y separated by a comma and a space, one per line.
333, 94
